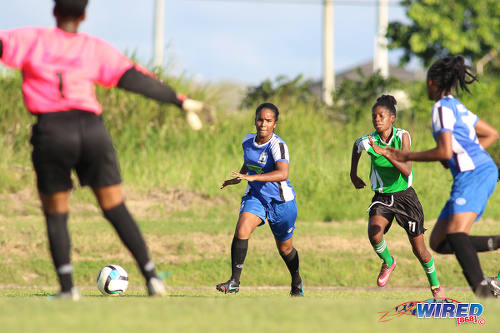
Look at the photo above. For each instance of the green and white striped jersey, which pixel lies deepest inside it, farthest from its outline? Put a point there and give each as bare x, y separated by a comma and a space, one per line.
384, 176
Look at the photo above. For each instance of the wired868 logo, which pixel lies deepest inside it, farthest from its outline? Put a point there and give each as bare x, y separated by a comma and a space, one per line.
462, 313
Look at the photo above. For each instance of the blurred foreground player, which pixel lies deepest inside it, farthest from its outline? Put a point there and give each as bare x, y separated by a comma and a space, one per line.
59, 67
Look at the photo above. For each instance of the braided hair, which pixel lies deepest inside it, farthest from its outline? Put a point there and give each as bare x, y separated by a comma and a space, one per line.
386, 101
451, 73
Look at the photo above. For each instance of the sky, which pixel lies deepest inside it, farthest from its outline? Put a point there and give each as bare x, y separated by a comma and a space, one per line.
218, 40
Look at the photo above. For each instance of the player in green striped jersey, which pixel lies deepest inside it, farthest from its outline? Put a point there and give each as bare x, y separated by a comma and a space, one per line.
394, 197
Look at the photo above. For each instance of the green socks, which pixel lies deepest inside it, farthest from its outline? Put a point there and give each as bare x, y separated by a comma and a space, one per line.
430, 271
383, 252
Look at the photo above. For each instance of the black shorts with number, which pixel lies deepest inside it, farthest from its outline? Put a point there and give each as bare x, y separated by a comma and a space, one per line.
68, 140
404, 206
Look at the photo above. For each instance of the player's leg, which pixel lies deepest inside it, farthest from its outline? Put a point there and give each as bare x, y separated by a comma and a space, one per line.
110, 199
282, 217
458, 237
247, 222
291, 258
56, 208
55, 150
440, 244
427, 261
98, 168
377, 226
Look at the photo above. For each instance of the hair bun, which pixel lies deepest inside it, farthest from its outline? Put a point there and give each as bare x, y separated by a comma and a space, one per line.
387, 99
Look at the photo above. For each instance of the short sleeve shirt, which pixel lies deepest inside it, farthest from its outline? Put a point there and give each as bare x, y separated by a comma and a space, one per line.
450, 115
385, 177
260, 159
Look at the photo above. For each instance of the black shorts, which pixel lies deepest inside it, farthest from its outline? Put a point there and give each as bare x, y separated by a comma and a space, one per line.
68, 140
404, 206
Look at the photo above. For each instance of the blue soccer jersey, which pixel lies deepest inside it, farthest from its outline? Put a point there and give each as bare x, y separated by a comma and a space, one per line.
260, 159
450, 115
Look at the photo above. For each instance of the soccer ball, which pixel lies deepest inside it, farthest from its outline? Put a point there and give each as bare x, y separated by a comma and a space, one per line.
112, 280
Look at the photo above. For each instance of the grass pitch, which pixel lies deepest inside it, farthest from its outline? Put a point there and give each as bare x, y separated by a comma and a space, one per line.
252, 310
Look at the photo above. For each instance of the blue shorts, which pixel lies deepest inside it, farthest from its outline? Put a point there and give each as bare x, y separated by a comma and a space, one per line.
471, 190
280, 215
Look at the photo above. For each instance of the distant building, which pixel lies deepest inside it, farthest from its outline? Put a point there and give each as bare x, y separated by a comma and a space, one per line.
366, 68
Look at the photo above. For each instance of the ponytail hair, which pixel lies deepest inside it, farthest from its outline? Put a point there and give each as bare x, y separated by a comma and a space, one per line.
388, 102
451, 73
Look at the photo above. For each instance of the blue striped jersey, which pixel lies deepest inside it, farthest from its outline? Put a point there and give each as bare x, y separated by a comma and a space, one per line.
260, 159
450, 115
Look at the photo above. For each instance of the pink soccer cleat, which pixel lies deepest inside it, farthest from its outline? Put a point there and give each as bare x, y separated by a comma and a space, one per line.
385, 273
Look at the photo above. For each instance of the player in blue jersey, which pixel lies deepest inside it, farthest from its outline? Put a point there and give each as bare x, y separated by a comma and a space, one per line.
461, 139
269, 195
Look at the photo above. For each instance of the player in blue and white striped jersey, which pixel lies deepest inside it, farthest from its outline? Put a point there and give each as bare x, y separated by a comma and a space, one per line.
461, 139
269, 195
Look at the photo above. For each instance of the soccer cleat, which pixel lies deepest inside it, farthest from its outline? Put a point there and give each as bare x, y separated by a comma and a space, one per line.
494, 285
156, 287
297, 291
72, 295
488, 288
230, 286
385, 273
438, 292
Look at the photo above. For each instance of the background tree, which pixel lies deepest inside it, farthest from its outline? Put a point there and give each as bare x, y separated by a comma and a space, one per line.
439, 28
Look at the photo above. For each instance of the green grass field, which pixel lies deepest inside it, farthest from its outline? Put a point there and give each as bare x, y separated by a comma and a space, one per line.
172, 177
207, 311
338, 266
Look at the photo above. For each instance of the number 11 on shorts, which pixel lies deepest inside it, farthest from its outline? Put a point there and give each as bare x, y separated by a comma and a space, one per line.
411, 225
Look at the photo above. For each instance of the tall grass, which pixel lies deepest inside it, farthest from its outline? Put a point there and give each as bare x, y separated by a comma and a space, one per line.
157, 151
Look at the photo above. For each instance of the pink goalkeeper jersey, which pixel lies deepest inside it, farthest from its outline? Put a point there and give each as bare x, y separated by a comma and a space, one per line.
60, 68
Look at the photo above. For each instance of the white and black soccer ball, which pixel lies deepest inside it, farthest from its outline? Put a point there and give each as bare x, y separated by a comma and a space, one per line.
112, 280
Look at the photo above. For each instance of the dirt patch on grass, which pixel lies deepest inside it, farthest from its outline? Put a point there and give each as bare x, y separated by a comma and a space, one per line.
154, 204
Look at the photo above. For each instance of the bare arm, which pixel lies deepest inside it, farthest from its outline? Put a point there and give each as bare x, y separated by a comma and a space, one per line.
403, 167
356, 181
235, 181
277, 175
442, 152
486, 134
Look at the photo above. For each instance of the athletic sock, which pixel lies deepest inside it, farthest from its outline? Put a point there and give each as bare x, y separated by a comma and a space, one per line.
60, 247
131, 236
480, 243
430, 271
467, 258
383, 252
292, 262
239, 249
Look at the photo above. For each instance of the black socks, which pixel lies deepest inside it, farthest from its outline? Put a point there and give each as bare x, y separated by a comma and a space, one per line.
467, 257
480, 243
131, 236
292, 262
239, 249
60, 247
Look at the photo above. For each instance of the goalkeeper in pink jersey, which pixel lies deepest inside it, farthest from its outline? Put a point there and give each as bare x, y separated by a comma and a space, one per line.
60, 67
